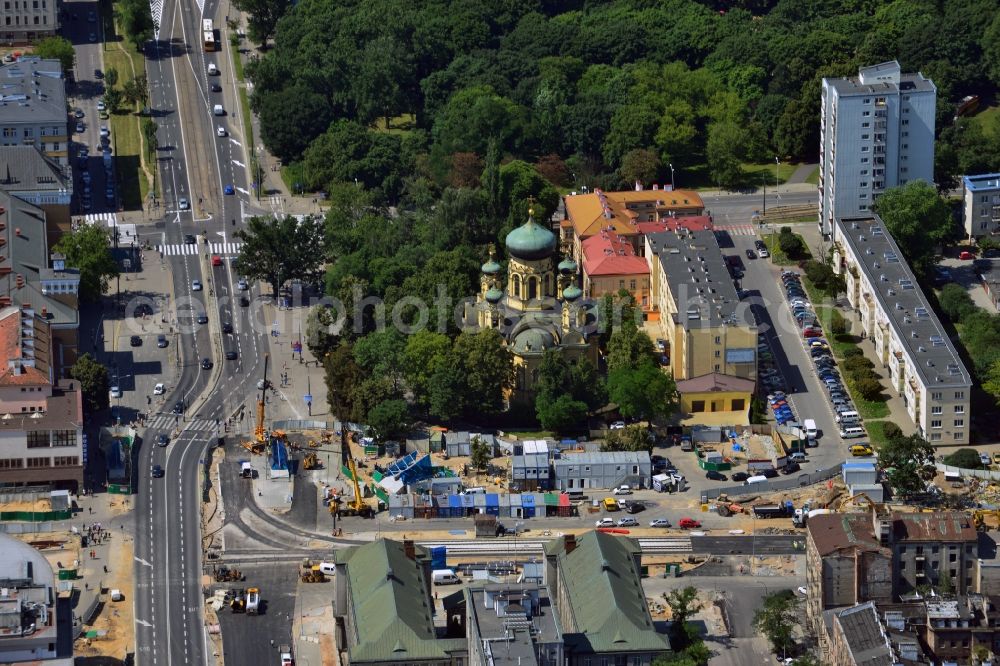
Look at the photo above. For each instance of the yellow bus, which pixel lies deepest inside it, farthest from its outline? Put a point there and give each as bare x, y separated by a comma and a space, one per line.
208, 31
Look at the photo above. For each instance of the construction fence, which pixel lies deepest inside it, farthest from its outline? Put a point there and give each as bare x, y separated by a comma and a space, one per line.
774, 485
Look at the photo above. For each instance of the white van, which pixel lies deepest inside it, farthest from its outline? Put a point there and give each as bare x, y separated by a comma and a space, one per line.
328, 568
218, 110
848, 417
850, 432
474, 491
212, 69
445, 577
809, 427
756, 479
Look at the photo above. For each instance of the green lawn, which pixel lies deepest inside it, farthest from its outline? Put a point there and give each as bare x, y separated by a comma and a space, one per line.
988, 119
876, 432
763, 174
813, 177
778, 258
134, 179
401, 124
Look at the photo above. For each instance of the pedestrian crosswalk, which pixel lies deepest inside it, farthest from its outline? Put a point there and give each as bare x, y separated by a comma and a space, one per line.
177, 249
101, 219
736, 229
171, 421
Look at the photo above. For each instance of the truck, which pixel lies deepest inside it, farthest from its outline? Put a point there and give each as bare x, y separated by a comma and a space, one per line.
285, 653
773, 510
253, 601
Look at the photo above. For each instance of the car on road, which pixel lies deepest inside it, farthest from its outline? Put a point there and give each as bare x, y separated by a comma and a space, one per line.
627, 521
216, 87
688, 524
202, 318
216, 260
116, 392
227, 327
605, 522
231, 355
161, 341
617, 425
157, 472
659, 522
206, 364
220, 131
135, 341
162, 439
740, 476
178, 407
242, 284
195, 285
791, 468
229, 189
78, 114
189, 239
244, 301
769, 473
159, 389
996, 458
183, 204
713, 475
79, 128
622, 490
751, 254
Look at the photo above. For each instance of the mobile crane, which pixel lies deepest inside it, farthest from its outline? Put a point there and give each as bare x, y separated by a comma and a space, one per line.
356, 506
259, 442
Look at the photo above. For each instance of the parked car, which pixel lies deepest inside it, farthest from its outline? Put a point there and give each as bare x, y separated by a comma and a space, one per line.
605, 522
713, 475
659, 522
116, 392
161, 340
751, 254
627, 521
740, 476
178, 407
159, 389
689, 524
791, 468
617, 425
622, 490
965, 255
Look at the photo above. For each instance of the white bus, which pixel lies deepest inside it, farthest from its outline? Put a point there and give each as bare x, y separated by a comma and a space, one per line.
208, 30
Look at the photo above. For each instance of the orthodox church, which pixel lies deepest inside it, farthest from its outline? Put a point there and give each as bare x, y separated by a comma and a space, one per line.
537, 309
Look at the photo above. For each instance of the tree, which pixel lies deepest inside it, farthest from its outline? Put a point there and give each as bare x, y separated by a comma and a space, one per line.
113, 98
725, 148
562, 413
88, 250
629, 347
964, 458
136, 90
868, 388
639, 165
991, 381
424, 354
904, 457
791, 244
390, 419
488, 369
342, 378
919, 221
635, 437
57, 48
94, 384
644, 392
149, 134
946, 586
955, 302
777, 618
683, 604
480, 454
135, 20
823, 277
262, 17
280, 249
111, 77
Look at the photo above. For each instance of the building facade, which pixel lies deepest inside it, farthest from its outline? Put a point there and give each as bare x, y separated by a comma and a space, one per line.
602, 469
981, 204
707, 327
35, 111
610, 264
715, 399
23, 21
29, 176
925, 369
876, 132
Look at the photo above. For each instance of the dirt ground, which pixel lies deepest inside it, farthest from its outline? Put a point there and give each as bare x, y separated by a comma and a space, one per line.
709, 612
39, 505
115, 618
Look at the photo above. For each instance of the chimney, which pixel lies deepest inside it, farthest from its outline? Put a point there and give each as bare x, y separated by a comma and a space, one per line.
409, 550
569, 542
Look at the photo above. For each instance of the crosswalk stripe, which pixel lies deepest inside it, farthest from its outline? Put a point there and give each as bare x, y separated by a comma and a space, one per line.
166, 422
178, 249
737, 229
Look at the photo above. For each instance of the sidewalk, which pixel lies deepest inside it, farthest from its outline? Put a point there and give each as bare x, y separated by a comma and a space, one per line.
304, 373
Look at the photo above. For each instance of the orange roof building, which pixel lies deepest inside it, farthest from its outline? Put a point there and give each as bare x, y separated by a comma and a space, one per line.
610, 264
622, 212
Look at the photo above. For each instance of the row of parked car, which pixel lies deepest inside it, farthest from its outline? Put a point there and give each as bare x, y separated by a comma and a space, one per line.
825, 365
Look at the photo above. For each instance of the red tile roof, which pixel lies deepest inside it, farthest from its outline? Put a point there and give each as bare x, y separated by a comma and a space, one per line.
608, 253
592, 212
689, 222
11, 350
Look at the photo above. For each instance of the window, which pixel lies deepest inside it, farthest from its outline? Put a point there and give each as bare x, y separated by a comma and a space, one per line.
66, 461
865, 124
936, 423
739, 404
868, 100
718, 353
959, 395
863, 207
959, 423
44, 461
905, 146
717, 367
959, 409
64, 438
11, 463
936, 395
906, 110
864, 149
952, 557
697, 405
906, 134
631, 285
38, 439
906, 121
718, 339
864, 137
935, 437
934, 550
902, 565
864, 172
863, 195
936, 409
864, 160
864, 183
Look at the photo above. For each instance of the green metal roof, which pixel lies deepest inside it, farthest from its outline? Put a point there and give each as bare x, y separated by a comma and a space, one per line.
530, 241
392, 613
606, 597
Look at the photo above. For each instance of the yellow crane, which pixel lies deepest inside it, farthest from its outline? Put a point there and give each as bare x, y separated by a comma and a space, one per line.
259, 442
357, 506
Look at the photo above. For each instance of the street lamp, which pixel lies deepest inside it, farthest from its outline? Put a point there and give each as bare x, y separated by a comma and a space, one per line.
776, 165
671, 177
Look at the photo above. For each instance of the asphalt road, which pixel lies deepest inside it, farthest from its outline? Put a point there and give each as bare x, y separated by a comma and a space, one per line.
254, 639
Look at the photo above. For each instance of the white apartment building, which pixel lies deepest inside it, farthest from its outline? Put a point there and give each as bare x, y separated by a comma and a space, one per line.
33, 111
924, 367
23, 21
876, 132
981, 204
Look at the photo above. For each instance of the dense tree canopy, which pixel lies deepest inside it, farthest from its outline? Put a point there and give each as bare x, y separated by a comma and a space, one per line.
700, 84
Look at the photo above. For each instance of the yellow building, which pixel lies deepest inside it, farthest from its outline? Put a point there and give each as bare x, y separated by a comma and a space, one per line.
707, 327
540, 310
716, 399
